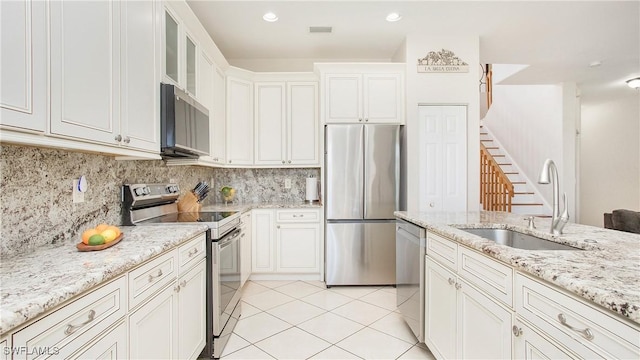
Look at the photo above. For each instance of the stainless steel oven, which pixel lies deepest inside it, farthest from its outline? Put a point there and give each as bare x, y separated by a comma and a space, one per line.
410, 282
225, 289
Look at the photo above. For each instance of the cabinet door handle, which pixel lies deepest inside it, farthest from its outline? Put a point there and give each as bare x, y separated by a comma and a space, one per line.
176, 288
451, 281
229, 161
360, 120
151, 277
289, 161
193, 252
278, 226
586, 333
127, 140
72, 328
283, 161
118, 138
516, 331
183, 283
432, 204
366, 120
458, 286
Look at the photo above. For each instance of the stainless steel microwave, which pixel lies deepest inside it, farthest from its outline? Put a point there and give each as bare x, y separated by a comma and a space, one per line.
184, 124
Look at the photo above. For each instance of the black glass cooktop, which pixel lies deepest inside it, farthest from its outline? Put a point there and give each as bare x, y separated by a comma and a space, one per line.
192, 217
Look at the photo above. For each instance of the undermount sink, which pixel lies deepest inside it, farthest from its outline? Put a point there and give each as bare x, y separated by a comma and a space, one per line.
518, 240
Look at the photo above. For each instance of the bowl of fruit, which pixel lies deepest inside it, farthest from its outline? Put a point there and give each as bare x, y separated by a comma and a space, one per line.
228, 194
99, 238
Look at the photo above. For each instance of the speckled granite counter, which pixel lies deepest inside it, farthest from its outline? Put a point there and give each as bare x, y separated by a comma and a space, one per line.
35, 282
242, 207
606, 272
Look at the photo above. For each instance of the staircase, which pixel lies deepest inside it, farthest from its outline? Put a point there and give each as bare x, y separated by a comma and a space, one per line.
525, 201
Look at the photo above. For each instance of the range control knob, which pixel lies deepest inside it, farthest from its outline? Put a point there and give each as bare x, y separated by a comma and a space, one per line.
169, 189
139, 191
147, 190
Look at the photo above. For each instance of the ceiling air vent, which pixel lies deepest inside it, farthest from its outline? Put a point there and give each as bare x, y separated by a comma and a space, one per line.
320, 29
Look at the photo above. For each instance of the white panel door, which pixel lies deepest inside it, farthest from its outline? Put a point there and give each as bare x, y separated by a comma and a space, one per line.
239, 122
484, 327
206, 68
153, 327
217, 117
302, 123
343, 98
110, 345
85, 69
23, 55
298, 248
140, 69
440, 310
382, 100
270, 123
443, 158
529, 345
262, 241
192, 312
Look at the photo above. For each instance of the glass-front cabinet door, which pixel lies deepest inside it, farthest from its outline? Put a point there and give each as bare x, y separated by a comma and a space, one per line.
171, 47
191, 66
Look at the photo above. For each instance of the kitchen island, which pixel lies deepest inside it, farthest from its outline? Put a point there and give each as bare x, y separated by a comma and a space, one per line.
487, 300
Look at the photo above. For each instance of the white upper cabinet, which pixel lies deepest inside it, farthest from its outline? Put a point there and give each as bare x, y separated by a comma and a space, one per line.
302, 126
362, 93
104, 78
190, 66
217, 118
270, 123
286, 123
239, 121
171, 48
140, 59
23, 54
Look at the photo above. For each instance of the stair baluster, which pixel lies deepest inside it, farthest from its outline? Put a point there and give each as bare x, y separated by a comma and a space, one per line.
496, 190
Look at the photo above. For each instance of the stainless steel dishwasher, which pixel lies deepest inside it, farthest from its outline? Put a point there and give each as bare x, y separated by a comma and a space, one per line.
410, 253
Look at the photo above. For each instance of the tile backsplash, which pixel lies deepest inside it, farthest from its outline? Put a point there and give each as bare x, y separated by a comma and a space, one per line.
36, 191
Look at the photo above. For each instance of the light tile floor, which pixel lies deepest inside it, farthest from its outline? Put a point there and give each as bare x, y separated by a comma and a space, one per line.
305, 320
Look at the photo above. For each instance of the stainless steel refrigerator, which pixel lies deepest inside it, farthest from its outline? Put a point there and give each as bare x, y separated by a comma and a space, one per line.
362, 165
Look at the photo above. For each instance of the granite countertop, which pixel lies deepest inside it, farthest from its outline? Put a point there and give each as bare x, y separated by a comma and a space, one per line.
35, 282
242, 207
605, 272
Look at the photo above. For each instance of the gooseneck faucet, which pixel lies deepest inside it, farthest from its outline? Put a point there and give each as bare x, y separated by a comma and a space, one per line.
557, 221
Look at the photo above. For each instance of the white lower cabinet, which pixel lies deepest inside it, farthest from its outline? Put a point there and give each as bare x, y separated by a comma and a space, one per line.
6, 349
192, 310
462, 322
110, 345
152, 328
245, 248
529, 345
286, 241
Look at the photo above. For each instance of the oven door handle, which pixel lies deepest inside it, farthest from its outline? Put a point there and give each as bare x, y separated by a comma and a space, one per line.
228, 239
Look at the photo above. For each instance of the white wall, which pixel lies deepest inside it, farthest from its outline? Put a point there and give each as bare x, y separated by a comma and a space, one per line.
610, 158
443, 89
527, 121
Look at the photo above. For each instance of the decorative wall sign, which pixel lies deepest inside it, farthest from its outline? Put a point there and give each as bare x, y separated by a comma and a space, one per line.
443, 61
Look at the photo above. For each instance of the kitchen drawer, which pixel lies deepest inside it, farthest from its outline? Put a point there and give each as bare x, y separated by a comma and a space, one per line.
110, 345
151, 277
488, 275
587, 331
298, 216
443, 250
75, 324
190, 253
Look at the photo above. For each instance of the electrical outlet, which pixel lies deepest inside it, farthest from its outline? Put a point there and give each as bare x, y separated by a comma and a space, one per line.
78, 196
287, 183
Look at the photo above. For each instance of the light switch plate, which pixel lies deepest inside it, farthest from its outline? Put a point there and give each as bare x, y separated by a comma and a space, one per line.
78, 196
287, 183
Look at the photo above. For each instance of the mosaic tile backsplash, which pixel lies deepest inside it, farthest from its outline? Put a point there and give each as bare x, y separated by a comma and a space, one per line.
36, 191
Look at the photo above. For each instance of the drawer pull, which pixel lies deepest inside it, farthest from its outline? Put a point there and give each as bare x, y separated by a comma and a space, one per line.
193, 252
458, 286
586, 333
151, 277
451, 281
72, 328
183, 283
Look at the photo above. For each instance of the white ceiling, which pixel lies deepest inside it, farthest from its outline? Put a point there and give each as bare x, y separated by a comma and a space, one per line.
558, 39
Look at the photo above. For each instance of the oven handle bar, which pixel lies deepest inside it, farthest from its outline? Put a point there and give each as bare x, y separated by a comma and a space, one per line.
229, 238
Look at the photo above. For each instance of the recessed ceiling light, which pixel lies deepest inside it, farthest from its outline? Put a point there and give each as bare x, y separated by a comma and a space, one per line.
270, 17
595, 63
394, 16
634, 83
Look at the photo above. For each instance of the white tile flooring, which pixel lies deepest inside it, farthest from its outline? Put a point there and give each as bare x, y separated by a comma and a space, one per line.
304, 320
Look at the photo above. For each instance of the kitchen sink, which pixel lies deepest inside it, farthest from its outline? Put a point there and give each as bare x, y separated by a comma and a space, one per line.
518, 240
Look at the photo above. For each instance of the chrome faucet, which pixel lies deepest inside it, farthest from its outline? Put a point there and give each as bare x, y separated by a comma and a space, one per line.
557, 221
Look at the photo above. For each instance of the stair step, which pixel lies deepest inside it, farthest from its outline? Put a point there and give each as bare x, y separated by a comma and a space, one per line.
511, 173
497, 155
504, 164
518, 182
523, 193
484, 133
486, 140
